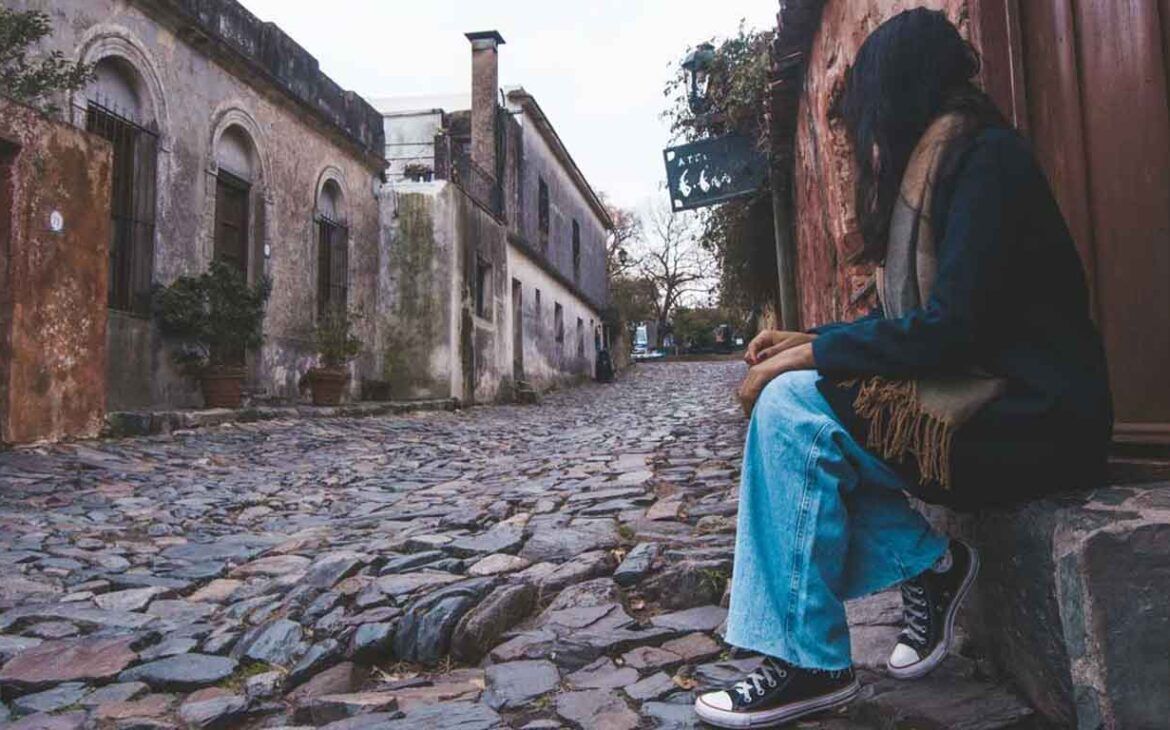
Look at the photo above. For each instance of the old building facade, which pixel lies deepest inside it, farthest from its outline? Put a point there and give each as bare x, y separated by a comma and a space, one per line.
228, 142
495, 269
476, 262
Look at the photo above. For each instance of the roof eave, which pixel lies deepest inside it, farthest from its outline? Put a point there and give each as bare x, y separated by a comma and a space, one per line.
528, 103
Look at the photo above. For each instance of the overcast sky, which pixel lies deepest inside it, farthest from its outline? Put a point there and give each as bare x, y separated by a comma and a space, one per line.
596, 67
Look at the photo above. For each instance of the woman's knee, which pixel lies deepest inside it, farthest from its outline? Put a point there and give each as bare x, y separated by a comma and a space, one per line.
790, 389
791, 397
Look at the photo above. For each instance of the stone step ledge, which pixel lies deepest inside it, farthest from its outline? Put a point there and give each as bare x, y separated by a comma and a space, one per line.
1071, 602
123, 424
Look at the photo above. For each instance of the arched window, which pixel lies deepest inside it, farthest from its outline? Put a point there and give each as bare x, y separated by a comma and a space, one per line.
235, 157
118, 87
118, 109
235, 153
332, 250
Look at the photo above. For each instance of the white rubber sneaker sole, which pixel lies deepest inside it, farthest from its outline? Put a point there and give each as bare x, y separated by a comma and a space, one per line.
922, 667
788, 713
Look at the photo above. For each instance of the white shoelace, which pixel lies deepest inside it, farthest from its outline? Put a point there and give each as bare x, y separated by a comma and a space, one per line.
915, 610
766, 674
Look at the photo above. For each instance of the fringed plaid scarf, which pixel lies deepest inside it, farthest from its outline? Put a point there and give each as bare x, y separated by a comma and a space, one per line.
919, 418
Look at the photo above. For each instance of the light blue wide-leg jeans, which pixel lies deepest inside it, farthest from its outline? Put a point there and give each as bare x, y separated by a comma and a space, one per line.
821, 520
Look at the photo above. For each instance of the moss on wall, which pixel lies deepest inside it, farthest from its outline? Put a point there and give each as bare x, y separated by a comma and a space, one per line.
485, 348
417, 322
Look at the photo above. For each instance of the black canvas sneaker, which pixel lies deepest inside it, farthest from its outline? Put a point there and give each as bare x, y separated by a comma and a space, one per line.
775, 693
929, 604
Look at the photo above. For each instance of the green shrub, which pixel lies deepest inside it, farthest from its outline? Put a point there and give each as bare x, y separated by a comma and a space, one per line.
213, 317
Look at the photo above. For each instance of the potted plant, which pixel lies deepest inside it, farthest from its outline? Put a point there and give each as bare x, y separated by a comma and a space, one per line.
336, 346
214, 318
418, 172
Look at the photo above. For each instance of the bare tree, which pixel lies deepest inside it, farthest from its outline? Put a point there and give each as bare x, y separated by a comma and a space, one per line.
682, 271
621, 248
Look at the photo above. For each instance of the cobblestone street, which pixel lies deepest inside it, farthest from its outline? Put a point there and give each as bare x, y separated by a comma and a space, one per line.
532, 566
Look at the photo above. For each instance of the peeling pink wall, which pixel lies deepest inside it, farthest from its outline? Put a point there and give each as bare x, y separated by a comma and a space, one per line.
53, 283
826, 230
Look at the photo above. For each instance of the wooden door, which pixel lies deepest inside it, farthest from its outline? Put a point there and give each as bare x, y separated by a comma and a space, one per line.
1127, 139
231, 240
1087, 80
231, 221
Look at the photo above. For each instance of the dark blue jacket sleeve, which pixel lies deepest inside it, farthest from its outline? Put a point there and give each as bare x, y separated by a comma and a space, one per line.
874, 313
941, 337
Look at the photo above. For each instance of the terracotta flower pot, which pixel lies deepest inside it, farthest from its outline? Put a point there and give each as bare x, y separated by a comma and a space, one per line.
328, 384
222, 388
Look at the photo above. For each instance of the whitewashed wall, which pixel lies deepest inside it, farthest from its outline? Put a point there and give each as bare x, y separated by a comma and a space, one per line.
547, 362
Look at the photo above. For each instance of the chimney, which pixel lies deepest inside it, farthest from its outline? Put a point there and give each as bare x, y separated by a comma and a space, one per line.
485, 83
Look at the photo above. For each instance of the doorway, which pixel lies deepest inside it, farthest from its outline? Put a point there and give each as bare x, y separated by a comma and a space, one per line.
231, 238
1073, 66
231, 221
517, 331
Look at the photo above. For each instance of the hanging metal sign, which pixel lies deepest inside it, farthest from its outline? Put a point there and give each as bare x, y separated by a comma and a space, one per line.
713, 171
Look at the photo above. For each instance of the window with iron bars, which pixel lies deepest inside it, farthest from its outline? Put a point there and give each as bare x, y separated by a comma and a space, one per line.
332, 265
132, 206
542, 212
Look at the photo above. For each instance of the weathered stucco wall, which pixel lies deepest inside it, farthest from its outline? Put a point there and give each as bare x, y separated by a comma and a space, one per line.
417, 336
432, 343
192, 98
566, 204
826, 228
486, 359
546, 362
54, 238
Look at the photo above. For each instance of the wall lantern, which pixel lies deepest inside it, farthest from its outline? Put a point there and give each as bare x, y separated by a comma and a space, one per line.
697, 64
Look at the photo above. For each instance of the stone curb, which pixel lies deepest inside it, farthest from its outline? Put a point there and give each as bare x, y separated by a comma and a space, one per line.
1070, 601
123, 424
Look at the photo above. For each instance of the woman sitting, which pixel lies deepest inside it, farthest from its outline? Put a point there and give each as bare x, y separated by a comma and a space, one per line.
980, 380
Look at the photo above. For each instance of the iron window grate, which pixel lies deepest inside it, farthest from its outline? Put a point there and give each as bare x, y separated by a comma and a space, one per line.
332, 265
132, 206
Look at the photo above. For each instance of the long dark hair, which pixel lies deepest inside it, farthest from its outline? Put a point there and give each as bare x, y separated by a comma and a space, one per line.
910, 70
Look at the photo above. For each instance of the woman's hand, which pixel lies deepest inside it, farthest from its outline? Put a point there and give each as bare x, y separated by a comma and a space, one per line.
773, 342
798, 357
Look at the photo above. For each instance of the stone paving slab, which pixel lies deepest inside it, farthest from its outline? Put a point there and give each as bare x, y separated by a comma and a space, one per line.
555, 565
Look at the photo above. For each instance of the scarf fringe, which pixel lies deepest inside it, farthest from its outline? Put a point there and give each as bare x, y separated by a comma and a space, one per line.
898, 427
